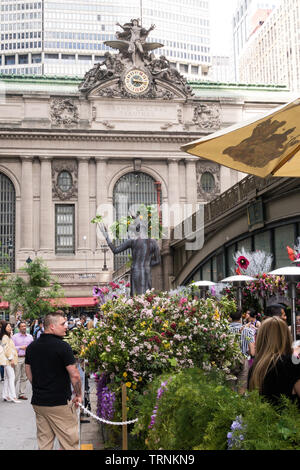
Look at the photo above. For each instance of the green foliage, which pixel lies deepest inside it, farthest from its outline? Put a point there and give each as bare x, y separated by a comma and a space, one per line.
148, 215
97, 220
196, 412
30, 294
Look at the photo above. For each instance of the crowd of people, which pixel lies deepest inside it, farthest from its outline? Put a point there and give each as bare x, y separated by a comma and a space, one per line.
36, 352
271, 360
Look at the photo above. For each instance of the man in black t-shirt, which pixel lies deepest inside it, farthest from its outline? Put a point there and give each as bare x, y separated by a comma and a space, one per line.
51, 369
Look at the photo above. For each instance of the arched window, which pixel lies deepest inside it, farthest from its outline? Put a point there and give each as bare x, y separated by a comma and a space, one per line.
208, 182
7, 223
130, 191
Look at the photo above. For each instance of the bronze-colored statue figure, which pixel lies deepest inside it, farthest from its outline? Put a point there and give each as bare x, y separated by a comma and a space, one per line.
145, 254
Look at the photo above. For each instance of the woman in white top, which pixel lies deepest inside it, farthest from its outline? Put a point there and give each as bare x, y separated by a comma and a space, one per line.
9, 359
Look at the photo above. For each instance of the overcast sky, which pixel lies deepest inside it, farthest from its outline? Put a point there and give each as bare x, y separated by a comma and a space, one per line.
221, 20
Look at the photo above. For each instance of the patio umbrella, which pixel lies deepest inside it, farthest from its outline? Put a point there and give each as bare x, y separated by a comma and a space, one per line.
203, 283
239, 280
203, 286
291, 274
268, 145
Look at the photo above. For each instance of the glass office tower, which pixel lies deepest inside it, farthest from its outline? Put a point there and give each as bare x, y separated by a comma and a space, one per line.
55, 37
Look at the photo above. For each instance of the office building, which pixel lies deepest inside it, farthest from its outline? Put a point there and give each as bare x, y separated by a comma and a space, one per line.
51, 37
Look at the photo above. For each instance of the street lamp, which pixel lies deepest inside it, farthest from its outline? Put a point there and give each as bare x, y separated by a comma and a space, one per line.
104, 251
29, 260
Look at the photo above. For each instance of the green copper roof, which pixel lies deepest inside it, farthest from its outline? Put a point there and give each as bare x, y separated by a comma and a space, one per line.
204, 89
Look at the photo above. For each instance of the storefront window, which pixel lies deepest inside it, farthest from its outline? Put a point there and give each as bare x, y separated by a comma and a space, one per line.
284, 236
246, 244
262, 241
230, 262
215, 271
206, 272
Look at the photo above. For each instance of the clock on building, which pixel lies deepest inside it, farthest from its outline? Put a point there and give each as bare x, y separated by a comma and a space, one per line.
136, 81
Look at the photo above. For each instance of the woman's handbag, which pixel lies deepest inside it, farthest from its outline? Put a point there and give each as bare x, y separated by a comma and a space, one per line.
3, 360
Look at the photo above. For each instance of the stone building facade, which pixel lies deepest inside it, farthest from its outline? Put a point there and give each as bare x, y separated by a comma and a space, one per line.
65, 146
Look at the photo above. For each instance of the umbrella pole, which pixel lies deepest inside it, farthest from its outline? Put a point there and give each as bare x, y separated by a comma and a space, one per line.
293, 313
239, 297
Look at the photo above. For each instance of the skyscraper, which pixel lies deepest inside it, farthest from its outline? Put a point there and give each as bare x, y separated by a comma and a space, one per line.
272, 55
52, 37
249, 16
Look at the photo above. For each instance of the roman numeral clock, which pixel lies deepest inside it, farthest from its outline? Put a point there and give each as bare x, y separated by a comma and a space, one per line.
136, 81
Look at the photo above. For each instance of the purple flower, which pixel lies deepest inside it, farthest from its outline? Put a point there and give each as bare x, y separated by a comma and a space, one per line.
235, 436
160, 392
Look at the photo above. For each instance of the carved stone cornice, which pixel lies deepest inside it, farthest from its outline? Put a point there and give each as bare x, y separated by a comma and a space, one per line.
98, 137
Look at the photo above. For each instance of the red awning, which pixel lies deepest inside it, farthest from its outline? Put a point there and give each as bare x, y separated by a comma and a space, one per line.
77, 301
4, 304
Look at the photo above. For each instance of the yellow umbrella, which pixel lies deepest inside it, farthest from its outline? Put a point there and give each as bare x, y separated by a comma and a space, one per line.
269, 145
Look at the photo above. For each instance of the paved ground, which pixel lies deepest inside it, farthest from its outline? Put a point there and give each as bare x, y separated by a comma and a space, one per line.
18, 429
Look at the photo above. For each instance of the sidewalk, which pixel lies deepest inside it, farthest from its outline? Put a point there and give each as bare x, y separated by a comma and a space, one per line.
18, 428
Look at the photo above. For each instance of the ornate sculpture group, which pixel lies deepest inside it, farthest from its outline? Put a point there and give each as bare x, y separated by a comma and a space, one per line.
134, 51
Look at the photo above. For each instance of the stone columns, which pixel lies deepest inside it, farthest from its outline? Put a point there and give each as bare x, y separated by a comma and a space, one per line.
46, 207
173, 181
101, 180
191, 181
173, 196
83, 213
101, 192
26, 229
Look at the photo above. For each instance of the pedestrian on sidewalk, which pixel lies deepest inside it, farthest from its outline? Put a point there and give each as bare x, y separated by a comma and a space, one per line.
39, 330
2, 357
246, 337
51, 368
21, 341
10, 361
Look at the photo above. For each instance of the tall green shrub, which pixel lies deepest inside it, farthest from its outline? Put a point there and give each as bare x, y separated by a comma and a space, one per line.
196, 411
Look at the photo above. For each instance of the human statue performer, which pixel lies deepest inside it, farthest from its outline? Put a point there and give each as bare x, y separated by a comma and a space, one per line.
145, 254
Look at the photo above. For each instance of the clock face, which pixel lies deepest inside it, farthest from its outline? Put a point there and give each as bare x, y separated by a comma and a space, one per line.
136, 81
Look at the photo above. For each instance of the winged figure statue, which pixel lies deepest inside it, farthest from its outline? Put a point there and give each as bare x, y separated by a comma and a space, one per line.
132, 40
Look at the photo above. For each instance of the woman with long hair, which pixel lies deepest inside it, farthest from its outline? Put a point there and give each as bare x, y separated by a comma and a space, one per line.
273, 372
10, 361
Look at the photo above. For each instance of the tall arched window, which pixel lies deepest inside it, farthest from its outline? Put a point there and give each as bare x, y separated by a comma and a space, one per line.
7, 223
130, 191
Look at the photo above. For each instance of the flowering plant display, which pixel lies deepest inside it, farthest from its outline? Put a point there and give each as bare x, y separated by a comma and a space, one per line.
138, 338
252, 263
112, 291
294, 253
256, 293
268, 285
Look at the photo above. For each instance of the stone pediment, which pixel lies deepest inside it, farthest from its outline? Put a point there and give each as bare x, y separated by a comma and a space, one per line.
135, 72
158, 89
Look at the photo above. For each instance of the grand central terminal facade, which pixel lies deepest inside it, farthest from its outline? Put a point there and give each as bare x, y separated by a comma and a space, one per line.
73, 148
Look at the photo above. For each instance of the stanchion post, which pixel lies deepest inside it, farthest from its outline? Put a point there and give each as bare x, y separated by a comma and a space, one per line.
124, 418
